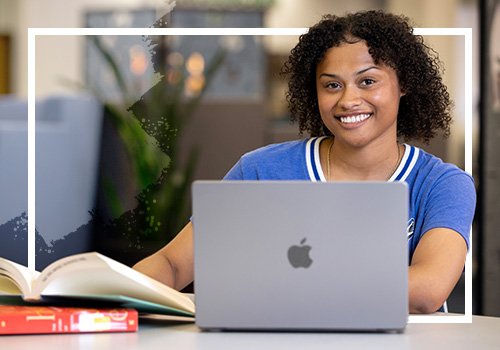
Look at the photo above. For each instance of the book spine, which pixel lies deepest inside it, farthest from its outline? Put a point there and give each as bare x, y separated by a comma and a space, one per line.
47, 319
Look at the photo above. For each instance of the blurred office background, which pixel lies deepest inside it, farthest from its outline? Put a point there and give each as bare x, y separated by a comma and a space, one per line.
126, 123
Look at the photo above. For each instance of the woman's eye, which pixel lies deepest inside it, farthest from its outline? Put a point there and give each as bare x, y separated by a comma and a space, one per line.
367, 81
332, 85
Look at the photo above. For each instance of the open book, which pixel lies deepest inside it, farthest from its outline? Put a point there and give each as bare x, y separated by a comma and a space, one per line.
92, 278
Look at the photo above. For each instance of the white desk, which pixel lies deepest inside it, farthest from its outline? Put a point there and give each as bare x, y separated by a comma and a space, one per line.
483, 333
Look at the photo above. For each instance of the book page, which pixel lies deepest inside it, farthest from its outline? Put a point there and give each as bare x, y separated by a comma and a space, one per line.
8, 286
16, 278
95, 274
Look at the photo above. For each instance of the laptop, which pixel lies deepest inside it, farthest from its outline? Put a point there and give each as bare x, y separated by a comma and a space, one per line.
300, 256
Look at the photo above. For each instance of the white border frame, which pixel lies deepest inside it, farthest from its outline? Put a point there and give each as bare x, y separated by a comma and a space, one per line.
34, 32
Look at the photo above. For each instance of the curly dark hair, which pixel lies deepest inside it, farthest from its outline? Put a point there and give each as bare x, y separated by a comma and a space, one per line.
423, 110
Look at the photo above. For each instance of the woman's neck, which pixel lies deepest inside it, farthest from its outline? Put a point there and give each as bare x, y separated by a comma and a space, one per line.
373, 162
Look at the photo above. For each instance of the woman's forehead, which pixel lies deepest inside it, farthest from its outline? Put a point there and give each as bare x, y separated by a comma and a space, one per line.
350, 53
345, 53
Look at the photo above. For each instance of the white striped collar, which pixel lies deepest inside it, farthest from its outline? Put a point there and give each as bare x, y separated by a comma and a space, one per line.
407, 163
312, 159
316, 173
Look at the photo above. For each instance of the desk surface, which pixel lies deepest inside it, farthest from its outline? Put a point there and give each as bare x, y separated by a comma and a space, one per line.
483, 333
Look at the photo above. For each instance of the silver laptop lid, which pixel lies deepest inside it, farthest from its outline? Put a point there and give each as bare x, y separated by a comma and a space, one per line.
300, 255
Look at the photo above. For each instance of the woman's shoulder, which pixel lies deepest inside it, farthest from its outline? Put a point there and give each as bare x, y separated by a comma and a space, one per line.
278, 161
281, 150
432, 162
432, 169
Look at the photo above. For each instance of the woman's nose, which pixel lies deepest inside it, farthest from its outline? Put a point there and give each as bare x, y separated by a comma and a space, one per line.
350, 98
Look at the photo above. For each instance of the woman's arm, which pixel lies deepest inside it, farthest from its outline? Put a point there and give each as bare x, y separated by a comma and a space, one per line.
173, 264
436, 266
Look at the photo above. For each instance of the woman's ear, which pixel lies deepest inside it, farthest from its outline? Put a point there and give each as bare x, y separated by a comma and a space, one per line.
402, 91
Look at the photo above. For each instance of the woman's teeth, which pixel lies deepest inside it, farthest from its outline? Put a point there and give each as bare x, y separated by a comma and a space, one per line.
354, 119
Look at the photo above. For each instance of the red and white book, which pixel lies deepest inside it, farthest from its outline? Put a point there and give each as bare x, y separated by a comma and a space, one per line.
50, 319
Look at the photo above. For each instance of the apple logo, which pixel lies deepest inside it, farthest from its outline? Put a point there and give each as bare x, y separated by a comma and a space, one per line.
299, 255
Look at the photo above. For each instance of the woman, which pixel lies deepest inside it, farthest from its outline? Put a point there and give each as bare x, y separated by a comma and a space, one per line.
356, 84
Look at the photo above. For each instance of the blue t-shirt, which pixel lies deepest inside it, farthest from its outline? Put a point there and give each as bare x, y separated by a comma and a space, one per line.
440, 194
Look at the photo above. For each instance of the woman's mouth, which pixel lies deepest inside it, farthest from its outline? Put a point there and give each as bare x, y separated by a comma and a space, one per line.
354, 118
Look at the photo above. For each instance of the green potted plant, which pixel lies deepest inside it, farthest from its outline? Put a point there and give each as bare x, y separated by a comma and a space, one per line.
149, 130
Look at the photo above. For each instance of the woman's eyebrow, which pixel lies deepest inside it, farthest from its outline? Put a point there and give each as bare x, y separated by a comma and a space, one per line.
367, 69
356, 74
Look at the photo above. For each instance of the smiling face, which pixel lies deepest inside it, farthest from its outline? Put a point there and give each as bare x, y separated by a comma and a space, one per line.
358, 100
